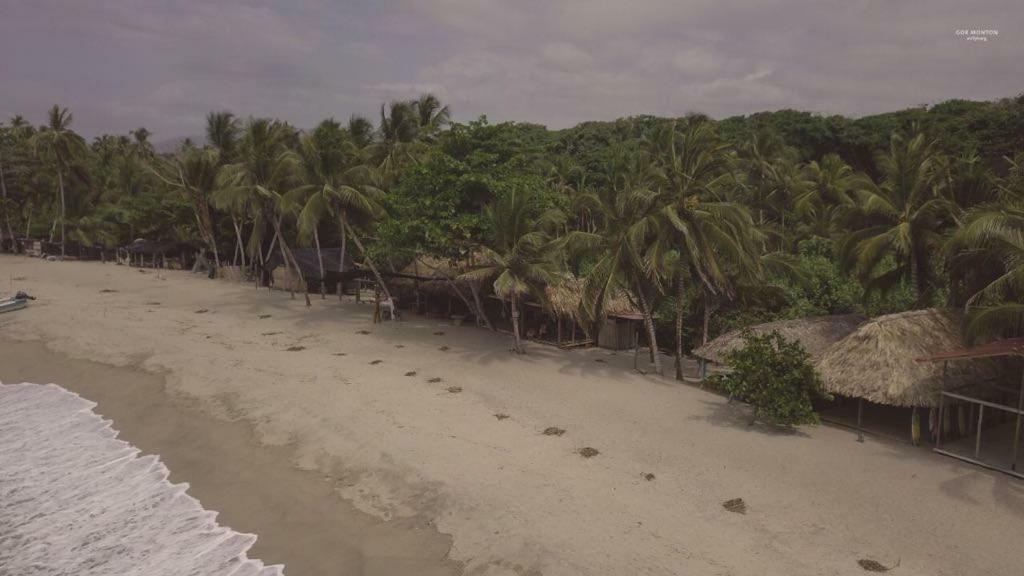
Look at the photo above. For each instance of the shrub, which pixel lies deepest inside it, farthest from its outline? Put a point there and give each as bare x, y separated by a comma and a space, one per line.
774, 376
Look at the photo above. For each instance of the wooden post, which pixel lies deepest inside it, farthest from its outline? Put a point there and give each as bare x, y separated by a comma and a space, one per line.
977, 441
1016, 430
860, 419
915, 427
559, 330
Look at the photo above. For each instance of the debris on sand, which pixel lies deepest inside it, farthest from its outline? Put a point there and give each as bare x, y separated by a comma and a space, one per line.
294, 348
363, 332
399, 345
269, 333
202, 311
455, 389
873, 566
736, 505
410, 373
375, 362
340, 353
264, 316
152, 304
107, 291
434, 380
553, 431
444, 348
438, 333
648, 476
600, 360
501, 416
588, 452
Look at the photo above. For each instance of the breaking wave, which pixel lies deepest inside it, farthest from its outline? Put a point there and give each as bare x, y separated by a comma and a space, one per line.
76, 500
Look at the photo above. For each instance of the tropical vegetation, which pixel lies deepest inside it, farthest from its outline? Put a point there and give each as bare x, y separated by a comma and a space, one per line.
703, 225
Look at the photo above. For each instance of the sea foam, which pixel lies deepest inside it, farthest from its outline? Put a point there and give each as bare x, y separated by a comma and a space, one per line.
76, 500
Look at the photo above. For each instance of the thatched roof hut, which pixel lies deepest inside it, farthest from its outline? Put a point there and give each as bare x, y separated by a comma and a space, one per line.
564, 296
815, 334
879, 362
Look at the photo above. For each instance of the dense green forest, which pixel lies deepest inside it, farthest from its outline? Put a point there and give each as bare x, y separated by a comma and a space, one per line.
705, 224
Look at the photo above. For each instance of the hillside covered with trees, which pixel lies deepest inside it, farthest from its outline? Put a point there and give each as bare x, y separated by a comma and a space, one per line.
704, 224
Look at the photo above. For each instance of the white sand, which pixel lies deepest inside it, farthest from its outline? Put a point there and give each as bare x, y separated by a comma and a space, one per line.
514, 500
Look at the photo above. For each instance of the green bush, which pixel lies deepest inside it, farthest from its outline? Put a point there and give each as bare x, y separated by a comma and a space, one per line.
774, 376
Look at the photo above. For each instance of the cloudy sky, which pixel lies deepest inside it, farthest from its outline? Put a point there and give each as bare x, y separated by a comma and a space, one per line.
120, 64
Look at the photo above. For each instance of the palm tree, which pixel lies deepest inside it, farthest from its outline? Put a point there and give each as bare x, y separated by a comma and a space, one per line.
433, 117
222, 132
711, 238
265, 171
899, 219
827, 194
334, 185
57, 143
629, 225
194, 172
987, 254
519, 255
360, 130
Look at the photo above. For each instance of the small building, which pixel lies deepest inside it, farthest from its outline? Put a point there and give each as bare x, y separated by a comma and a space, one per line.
878, 364
816, 334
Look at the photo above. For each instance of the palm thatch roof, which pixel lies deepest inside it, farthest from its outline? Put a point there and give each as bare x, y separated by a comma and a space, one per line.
565, 295
815, 334
880, 361
429, 274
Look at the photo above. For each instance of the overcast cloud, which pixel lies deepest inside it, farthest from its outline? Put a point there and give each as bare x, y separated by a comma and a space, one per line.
120, 64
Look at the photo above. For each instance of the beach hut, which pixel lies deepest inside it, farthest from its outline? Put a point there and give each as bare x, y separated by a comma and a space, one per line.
308, 260
618, 330
816, 334
878, 362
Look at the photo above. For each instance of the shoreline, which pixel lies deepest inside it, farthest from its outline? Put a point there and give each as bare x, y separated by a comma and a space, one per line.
334, 388
298, 516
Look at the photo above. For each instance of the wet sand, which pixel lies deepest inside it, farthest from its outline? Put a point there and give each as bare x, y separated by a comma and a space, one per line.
300, 519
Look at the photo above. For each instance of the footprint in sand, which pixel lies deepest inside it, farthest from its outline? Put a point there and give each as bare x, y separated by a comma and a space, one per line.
399, 345
438, 333
434, 380
107, 291
455, 389
376, 362
736, 505
202, 311
264, 316
648, 476
270, 333
600, 360
410, 373
340, 354
363, 332
553, 431
501, 416
152, 304
588, 452
294, 348
444, 348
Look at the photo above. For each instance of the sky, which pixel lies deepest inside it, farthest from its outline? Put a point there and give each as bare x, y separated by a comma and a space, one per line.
121, 64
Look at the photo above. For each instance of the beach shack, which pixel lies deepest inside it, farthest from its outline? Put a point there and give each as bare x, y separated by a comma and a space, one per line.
877, 364
1005, 404
816, 334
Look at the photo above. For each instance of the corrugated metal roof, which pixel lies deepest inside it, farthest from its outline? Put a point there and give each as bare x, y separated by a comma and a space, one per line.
1007, 347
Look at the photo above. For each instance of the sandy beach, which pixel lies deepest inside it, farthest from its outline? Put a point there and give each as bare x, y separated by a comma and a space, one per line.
387, 455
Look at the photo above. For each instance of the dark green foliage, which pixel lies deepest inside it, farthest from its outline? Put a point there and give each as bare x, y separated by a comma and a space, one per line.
774, 376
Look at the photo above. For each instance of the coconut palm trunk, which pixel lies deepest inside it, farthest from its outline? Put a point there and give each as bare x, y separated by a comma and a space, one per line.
680, 301
7, 207
517, 343
369, 261
286, 255
63, 212
320, 262
239, 244
652, 338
